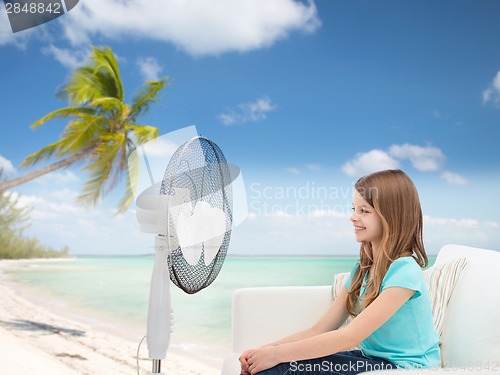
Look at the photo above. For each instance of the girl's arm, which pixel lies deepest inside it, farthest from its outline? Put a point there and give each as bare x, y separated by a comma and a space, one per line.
326, 343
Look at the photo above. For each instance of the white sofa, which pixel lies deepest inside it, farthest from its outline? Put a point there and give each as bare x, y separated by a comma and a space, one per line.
471, 339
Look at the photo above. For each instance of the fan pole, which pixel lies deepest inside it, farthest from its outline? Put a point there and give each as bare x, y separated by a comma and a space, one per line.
158, 333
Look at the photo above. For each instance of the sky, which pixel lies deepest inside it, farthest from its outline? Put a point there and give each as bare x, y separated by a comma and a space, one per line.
304, 96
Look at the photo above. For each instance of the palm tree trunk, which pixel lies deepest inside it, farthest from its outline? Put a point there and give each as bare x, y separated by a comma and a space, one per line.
7, 184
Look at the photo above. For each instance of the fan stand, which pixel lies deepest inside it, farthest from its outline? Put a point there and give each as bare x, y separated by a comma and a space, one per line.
159, 312
156, 207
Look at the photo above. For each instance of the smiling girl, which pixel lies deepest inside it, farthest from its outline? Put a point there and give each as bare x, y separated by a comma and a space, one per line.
385, 293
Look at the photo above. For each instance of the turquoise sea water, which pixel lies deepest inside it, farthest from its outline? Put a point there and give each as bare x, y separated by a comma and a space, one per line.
117, 288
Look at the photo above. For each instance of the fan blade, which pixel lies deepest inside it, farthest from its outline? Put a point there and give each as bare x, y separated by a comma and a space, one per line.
188, 230
204, 227
213, 233
179, 205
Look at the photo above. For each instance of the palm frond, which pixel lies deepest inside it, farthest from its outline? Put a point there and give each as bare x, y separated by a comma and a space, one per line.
43, 154
144, 98
81, 134
81, 87
108, 104
132, 181
106, 66
142, 133
99, 78
102, 129
103, 172
63, 113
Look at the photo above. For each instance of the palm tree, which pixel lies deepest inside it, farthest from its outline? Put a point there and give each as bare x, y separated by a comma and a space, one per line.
103, 130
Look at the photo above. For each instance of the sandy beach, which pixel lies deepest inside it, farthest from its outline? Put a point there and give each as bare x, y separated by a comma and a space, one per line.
36, 339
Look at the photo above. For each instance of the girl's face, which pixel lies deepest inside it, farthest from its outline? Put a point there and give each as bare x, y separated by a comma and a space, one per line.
367, 223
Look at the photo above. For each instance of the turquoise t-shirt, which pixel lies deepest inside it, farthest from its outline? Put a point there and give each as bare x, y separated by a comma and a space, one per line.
408, 339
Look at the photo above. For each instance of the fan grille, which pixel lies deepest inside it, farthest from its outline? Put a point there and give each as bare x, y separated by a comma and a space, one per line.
199, 166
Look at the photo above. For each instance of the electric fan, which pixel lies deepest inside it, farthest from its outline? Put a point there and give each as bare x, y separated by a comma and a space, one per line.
190, 211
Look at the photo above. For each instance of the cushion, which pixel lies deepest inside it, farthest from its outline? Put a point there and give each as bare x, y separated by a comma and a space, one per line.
471, 329
338, 283
440, 279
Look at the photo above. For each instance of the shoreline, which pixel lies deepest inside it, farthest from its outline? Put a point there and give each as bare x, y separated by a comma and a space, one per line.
40, 335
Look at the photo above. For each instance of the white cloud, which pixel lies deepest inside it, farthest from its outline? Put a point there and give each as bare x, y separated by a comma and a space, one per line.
314, 167
492, 93
327, 213
159, 147
320, 232
149, 68
69, 58
460, 223
58, 221
465, 231
248, 112
63, 177
310, 167
198, 27
454, 178
65, 195
6, 34
44, 209
6, 165
369, 162
424, 159
19, 39
25, 200
73, 58
330, 232
293, 170
252, 216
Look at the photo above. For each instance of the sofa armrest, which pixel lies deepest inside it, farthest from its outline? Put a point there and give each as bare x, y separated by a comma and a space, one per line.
263, 315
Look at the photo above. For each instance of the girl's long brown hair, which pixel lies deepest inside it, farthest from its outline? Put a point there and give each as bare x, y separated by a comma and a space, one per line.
394, 197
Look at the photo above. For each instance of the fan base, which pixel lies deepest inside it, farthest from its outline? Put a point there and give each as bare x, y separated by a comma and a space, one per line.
156, 368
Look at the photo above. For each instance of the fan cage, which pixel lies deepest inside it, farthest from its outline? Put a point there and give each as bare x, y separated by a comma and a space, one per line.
200, 166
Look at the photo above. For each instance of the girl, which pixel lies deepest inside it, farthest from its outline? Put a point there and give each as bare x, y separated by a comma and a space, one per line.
385, 294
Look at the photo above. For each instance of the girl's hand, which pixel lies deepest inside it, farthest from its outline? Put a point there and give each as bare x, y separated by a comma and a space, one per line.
244, 363
260, 359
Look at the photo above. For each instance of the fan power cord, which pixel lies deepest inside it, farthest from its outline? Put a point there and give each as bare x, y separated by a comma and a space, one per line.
137, 357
